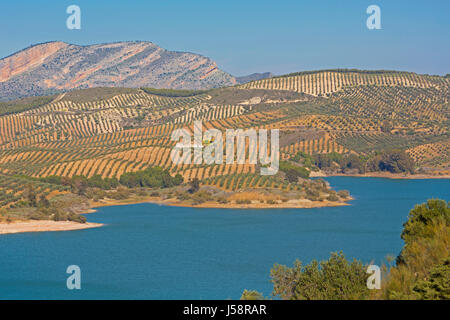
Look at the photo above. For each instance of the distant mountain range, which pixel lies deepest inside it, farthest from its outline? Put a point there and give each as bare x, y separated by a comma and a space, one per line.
254, 77
58, 66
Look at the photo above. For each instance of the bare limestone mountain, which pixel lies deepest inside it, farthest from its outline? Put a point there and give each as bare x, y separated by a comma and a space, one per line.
57, 66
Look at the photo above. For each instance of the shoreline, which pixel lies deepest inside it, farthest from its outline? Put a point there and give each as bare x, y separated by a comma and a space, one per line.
298, 204
44, 226
22, 226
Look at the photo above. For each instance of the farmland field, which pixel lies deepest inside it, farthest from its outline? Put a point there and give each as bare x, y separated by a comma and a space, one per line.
112, 131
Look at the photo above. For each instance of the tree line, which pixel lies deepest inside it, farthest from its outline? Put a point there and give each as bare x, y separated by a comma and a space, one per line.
173, 93
153, 177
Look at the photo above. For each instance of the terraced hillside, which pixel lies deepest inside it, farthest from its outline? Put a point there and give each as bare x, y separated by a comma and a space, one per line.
329, 81
112, 131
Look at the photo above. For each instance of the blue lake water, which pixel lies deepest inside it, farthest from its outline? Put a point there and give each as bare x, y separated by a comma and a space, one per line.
147, 251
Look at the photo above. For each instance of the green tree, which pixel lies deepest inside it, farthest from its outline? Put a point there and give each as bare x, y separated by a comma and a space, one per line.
43, 202
154, 177
80, 184
292, 175
286, 166
251, 295
419, 267
334, 279
30, 195
386, 126
353, 161
394, 161
194, 185
422, 219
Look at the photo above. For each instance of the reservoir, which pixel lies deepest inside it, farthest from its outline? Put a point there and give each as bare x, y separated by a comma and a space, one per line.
148, 251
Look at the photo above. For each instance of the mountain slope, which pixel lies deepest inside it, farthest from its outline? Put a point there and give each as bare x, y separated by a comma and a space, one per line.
324, 115
57, 66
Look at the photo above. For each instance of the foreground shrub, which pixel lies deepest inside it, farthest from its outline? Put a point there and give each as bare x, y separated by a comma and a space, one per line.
334, 279
251, 295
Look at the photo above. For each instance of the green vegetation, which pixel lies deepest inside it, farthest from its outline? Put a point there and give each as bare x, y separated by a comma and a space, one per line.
153, 177
16, 106
437, 285
79, 184
393, 161
341, 70
303, 157
33, 204
293, 172
96, 94
251, 295
194, 185
36, 206
340, 121
334, 279
422, 265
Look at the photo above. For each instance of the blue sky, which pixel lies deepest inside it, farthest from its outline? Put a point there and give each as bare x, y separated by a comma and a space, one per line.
249, 36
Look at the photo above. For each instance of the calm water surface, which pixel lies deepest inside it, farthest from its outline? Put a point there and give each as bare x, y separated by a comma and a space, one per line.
147, 251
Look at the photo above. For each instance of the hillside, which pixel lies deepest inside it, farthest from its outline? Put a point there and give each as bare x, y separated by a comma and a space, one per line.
253, 77
57, 66
111, 131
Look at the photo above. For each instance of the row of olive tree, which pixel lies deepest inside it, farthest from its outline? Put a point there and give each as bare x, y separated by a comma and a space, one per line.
394, 161
153, 177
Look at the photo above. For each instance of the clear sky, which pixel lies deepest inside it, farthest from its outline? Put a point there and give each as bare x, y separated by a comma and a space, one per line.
247, 36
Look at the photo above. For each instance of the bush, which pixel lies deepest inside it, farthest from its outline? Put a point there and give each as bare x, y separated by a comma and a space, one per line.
394, 161
222, 200
423, 217
52, 179
333, 197
95, 194
326, 160
37, 216
173, 92
437, 285
142, 193
251, 295
120, 194
344, 194
194, 185
153, 177
312, 194
59, 216
201, 196
292, 175
76, 218
293, 172
306, 159
421, 271
97, 181
334, 279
